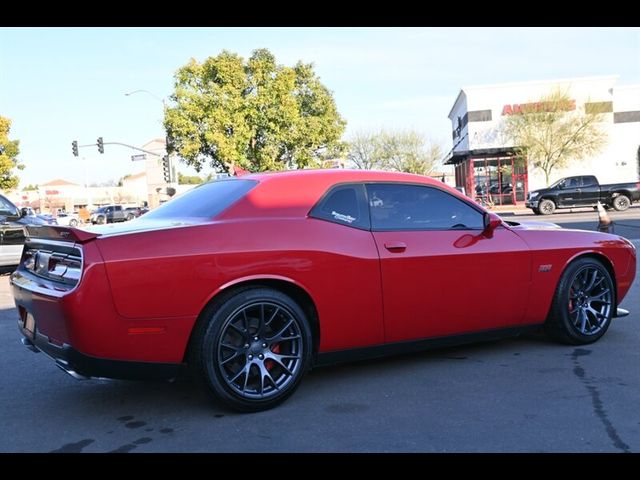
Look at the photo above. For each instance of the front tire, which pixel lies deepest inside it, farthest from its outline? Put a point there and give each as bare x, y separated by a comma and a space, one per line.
546, 207
73, 223
583, 303
252, 348
621, 203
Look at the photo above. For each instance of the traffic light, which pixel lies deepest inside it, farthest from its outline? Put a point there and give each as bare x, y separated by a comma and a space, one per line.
166, 168
100, 145
74, 147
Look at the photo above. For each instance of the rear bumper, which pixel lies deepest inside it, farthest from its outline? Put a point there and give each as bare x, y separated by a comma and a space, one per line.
81, 366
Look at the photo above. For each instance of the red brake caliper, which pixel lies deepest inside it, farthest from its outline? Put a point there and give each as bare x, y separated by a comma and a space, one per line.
570, 300
270, 363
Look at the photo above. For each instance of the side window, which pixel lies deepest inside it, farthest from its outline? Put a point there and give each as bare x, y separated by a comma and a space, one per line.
416, 207
589, 181
343, 204
117, 208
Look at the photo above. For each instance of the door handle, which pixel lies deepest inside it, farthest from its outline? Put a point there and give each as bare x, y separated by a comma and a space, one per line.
395, 247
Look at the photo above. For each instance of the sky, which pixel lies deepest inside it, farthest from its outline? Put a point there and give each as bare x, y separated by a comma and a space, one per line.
63, 84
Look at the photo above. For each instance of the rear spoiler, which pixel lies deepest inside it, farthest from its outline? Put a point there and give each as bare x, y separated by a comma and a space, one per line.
60, 233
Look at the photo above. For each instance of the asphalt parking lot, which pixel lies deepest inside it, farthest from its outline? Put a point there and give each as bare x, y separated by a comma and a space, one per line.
516, 395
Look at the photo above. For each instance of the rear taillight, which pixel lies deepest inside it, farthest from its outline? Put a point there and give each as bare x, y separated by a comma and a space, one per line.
54, 262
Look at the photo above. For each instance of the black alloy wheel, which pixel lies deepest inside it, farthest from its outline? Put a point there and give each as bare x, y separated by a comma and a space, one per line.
583, 304
254, 350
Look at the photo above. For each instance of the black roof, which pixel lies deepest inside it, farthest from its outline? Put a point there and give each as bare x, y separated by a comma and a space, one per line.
461, 155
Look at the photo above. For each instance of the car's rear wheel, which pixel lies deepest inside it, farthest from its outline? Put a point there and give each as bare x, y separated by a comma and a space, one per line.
251, 349
583, 304
130, 216
621, 202
73, 223
546, 207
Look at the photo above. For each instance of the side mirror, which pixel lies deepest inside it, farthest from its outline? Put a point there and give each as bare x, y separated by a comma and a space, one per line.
24, 212
491, 222
561, 186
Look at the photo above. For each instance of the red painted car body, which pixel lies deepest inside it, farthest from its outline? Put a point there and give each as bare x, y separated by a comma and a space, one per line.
143, 284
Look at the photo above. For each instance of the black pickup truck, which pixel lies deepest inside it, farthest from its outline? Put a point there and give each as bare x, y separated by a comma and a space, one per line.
582, 191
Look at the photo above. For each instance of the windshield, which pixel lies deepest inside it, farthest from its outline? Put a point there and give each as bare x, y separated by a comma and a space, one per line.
204, 201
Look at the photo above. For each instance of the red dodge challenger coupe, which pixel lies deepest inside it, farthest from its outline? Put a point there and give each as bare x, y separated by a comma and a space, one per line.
251, 281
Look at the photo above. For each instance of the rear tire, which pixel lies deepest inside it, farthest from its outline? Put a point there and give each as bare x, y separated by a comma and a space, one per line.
251, 348
73, 223
621, 203
546, 207
583, 303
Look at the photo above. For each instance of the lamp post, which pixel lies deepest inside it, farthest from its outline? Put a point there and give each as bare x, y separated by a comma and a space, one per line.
161, 100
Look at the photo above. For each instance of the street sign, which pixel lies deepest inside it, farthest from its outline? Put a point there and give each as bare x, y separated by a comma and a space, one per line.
140, 156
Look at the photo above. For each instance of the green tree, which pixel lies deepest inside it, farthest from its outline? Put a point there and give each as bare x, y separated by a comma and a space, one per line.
254, 114
9, 150
400, 151
552, 132
30, 187
189, 179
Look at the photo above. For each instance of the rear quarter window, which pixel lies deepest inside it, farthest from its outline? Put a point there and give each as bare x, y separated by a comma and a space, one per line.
204, 201
344, 204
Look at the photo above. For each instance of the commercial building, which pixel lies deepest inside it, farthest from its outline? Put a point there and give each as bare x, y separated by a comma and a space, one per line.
486, 164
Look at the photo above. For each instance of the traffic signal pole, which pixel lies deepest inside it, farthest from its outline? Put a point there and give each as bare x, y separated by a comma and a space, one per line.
100, 144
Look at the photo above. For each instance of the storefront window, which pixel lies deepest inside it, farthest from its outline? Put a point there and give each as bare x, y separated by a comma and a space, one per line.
494, 180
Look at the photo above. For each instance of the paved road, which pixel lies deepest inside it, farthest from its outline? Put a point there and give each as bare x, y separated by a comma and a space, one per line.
625, 223
517, 395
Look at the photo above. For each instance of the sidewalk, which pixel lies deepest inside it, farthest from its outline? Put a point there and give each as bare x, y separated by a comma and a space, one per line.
510, 210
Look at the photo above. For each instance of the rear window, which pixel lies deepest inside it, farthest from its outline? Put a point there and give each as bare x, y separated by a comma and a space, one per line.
204, 201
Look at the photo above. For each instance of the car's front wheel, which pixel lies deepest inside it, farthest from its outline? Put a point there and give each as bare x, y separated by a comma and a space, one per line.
251, 349
546, 207
583, 304
73, 223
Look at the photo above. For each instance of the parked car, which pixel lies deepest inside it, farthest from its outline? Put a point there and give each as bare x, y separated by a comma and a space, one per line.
70, 219
12, 233
251, 281
33, 218
135, 212
582, 191
108, 214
